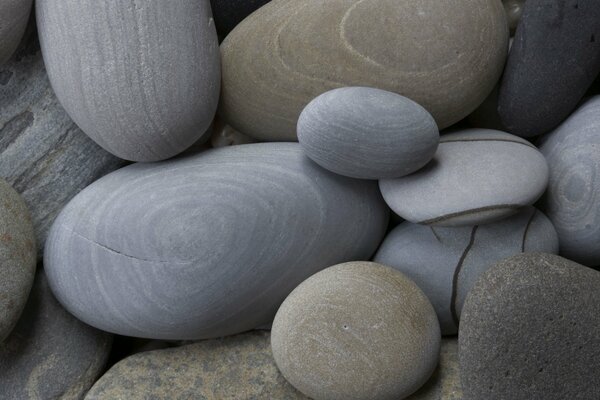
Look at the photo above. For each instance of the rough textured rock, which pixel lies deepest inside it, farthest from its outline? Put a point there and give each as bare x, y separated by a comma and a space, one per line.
446, 262
17, 257
514, 10
140, 78
206, 245
43, 154
477, 176
572, 201
237, 367
445, 56
367, 133
529, 330
14, 15
50, 354
229, 13
357, 330
555, 57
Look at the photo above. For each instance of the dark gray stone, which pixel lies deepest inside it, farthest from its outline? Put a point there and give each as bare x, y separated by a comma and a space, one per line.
14, 15
529, 330
229, 13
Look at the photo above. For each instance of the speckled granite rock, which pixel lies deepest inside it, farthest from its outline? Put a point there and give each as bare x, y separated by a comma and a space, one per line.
17, 257
43, 154
529, 330
236, 367
50, 354
14, 15
229, 13
446, 56
142, 79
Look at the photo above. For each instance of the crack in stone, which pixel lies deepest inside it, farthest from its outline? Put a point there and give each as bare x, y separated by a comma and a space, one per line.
467, 212
527, 230
456, 274
488, 140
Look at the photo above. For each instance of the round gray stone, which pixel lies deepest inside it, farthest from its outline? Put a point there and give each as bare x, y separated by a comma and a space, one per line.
14, 15
206, 245
529, 330
446, 262
572, 201
141, 79
476, 176
367, 133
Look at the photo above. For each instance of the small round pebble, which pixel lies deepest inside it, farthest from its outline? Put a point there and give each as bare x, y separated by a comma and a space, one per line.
367, 133
354, 331
514, 10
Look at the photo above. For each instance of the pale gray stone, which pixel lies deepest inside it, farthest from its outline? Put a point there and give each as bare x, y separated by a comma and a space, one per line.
14, 15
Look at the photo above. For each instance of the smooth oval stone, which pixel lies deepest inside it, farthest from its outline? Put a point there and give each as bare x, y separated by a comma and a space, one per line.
357, 330
530, 331
476, 176
514, 10
230, 368
229, 13
208, 245
14, 15
367, 133
140, 78
17, 257
43, 154
446, 262
554, 59
572, 201
445, 56
50, 354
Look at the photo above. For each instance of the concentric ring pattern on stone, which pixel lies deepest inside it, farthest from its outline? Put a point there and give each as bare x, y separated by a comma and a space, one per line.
207, 245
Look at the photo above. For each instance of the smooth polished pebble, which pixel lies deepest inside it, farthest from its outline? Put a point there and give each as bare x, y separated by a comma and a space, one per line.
357, 330
572, 201
14, 15
141, 79
50, 354
514, 10
529, 330
446, 262
446, 56
367, 133
206, 245
229, 13
477, 176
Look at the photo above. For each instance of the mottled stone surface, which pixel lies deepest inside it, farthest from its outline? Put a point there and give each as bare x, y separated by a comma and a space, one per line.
50, 354
572, 201
207, 245
140, 78
446, 56
367, 133
17, 257
357, 330
14, 15
43, 154
229, 13
554, 59
529, 330
446, 262
477, 176
237, 367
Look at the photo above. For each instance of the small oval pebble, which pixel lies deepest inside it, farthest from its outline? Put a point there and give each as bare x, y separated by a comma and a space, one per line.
206, 245
446, 262
140, 78
367, 133
514, 10
354, 331
14, 15
476, 176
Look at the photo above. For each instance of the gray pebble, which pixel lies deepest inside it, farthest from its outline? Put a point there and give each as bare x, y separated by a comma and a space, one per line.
14, 15
477, 176
367, 133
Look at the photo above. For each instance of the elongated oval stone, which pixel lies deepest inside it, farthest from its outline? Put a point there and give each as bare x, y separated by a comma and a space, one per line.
446, 56
367, 133
207, 245
140, 78
476, 176
14, 15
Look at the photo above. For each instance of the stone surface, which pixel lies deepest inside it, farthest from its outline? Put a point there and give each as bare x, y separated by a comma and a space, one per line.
50, 354
206, 245
14, 15
357, 330
367, 133
555, 57
17, 257
229, 13
572, 201
477, 176
514, 10
140, 78
224, 135
237, 367
445, 56
530, 331
446, 262
43, 154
